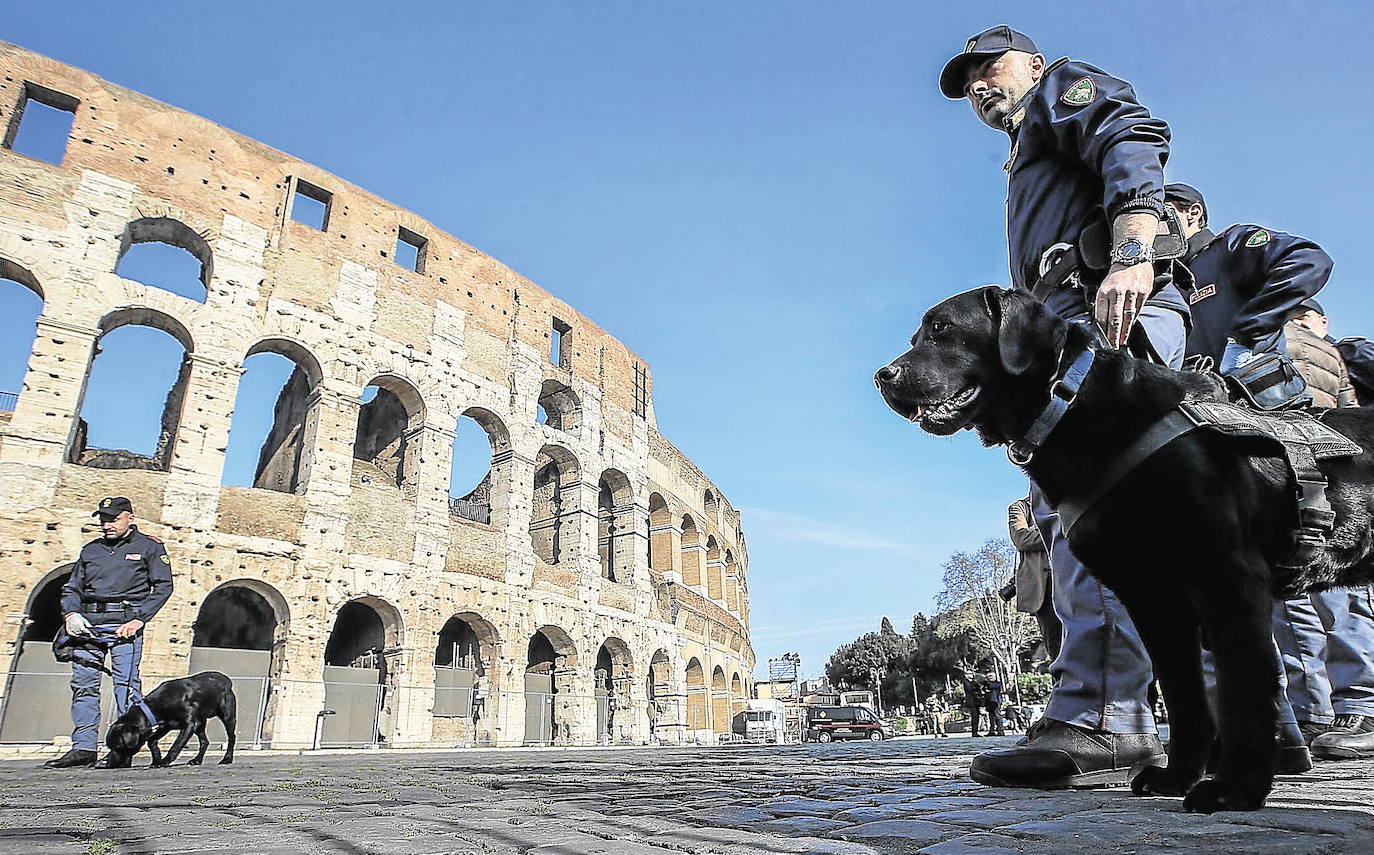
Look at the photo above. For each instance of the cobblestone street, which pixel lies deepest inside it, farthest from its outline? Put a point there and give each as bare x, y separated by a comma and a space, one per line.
904, 796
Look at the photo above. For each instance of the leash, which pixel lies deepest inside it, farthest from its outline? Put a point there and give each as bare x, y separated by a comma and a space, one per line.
1063, 392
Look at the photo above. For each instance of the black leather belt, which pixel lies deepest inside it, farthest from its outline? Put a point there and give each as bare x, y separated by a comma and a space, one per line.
93, 607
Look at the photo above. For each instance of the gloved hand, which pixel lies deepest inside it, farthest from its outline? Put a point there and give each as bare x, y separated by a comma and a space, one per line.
1235, 355
77, 624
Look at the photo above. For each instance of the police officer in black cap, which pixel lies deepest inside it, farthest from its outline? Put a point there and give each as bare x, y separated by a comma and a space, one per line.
1248, 281
119, 583
1086, 159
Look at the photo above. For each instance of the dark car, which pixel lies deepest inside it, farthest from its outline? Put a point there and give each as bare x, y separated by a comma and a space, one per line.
826, 724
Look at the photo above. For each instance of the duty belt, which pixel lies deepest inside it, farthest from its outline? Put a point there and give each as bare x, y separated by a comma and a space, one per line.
102, 607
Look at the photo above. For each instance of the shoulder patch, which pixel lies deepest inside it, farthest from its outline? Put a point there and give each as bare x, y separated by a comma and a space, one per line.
1082, 92
1259, 238
165, 559
1203, 293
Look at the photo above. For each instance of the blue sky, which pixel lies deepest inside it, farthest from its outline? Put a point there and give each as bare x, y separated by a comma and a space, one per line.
760, 199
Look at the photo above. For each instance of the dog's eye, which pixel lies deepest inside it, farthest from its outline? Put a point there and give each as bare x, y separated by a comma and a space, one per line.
940, 327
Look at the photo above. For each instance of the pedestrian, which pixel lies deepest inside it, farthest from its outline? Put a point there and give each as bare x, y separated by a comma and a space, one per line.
1327, 638
992, 702
119, 583
1249, 280
1033, 574
972, 703
1086, 159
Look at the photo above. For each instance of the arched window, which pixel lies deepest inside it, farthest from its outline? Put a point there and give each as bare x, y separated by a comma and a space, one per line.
21, 302
561, 408
714, 588
135, 389
478, 474
720, 702
389, 422
268, 445
165, 253
615, 525
660, 535
555, 505
697, 695
691, 552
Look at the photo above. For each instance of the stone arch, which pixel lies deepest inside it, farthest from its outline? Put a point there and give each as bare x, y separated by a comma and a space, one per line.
78, 446
551, 662
615, 525
555, 505
387, 445
711, 504
464, 653
489, 500
698, 694
37, 701
283, 457
360, 673
17, 273
737, 696
20, 308
714, 587
660, 535
611, 686
658, 689
720, 701
240, 630
691, 552
731, 582
561, 407
174, 233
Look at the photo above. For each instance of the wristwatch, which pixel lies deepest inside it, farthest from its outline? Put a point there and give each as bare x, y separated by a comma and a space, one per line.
1132, 251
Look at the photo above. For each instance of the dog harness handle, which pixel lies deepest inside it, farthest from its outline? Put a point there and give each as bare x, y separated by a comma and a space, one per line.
147, 711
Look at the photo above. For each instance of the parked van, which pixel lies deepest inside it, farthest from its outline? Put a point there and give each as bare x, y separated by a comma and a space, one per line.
826, 724
761, 721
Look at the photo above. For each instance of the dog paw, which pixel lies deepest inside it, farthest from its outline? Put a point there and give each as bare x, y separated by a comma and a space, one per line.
1215, 795
225, 762
1163, 781
194, 762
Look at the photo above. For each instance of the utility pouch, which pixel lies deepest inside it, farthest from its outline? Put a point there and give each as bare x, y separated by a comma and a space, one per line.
1095, 241
1269, 381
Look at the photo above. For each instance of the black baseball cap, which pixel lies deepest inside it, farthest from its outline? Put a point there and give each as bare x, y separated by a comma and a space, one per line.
1312, 306
1187, 194
113, 506
990, 42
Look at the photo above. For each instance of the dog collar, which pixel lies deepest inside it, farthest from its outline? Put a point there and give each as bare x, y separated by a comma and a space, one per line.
147, 711
1063, 392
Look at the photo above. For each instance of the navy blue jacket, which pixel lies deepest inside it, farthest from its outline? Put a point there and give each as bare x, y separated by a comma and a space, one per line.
134, 568
1248, 282
1080, 152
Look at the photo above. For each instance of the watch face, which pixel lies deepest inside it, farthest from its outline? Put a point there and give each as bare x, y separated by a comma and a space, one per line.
1129, 250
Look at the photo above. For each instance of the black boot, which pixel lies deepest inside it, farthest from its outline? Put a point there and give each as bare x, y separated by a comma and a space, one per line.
1350, 738
1063, 755
75, 757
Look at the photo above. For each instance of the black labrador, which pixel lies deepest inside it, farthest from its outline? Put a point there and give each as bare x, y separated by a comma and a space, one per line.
185, 704
1190, 540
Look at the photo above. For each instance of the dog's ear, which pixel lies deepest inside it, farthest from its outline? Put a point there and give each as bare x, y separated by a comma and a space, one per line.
1017, 331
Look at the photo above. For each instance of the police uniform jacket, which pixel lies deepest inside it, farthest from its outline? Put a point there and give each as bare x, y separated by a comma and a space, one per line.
134, 568
1083, 149
1320, 364
1032, 564
1358, 353
1248, 282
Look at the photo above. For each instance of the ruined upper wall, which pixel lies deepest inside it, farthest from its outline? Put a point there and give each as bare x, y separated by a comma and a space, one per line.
182, 163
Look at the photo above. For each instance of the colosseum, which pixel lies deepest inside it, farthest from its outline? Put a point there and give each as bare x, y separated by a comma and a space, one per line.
591, 588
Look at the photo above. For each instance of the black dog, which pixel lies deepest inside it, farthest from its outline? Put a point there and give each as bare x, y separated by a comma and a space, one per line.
185, 704
985, 360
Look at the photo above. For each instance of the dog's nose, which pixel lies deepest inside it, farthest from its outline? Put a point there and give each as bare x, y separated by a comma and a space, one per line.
888, 374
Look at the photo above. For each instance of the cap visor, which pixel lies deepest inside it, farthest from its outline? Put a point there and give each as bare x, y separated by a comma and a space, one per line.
105, 515
952, 82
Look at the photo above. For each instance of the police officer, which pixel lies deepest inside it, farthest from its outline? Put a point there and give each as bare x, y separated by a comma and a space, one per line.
120, 581
1084, 153
1327, 638
1248, 281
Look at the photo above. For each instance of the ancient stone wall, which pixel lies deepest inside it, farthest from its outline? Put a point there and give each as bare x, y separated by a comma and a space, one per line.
351, 504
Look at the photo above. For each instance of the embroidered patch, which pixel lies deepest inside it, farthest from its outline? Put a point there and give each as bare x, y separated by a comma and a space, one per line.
1203, 293
1259, 238
165, 559
104, 503
133, 556
1082, 92
968, 48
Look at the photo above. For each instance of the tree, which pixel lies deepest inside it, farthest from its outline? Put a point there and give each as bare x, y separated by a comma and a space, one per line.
970, 603
884, 651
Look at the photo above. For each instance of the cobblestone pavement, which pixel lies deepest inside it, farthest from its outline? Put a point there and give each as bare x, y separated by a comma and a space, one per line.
904, 796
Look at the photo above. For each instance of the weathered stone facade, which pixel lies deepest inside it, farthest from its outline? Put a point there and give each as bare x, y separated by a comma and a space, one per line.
603, 540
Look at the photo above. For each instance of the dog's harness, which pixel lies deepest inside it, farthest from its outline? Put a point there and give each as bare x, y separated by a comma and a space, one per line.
147, 711
1304, 438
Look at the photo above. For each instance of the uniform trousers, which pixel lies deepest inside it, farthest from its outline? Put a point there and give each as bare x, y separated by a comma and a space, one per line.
124, 658
1327, 642
1102, 672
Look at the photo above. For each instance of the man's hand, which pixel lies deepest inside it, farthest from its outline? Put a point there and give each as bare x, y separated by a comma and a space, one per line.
76, 624
130, 629
1120, 298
